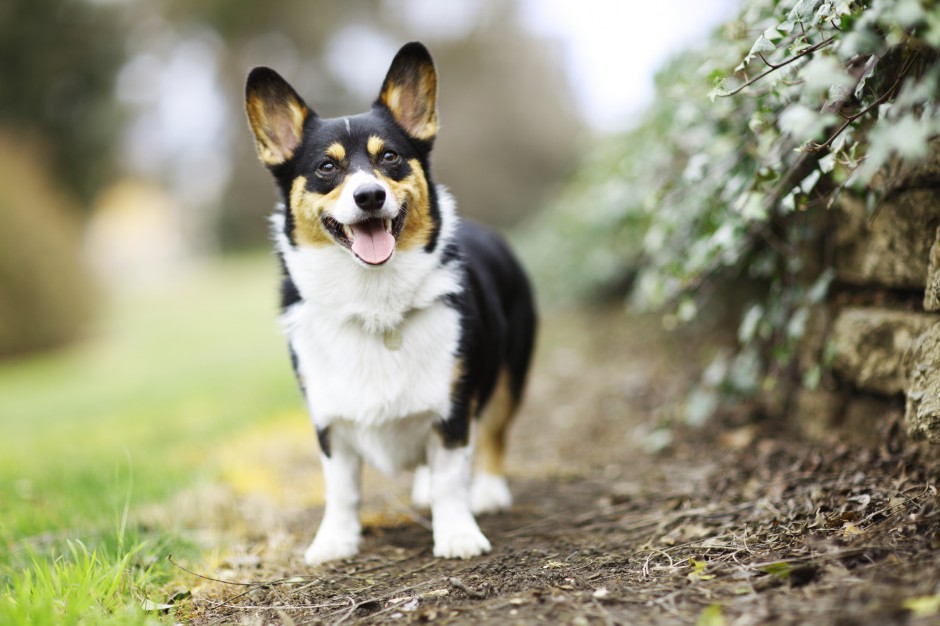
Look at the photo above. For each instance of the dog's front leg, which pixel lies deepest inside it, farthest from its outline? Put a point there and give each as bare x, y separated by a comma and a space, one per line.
339, 533
456, 533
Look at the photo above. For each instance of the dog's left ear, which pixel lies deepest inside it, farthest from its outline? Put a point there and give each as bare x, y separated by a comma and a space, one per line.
410, 91
276, 115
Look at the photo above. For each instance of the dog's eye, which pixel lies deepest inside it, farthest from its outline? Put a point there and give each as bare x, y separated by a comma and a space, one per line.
327, 167
390, 156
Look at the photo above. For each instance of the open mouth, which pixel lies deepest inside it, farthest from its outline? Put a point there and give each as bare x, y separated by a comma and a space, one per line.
372, 240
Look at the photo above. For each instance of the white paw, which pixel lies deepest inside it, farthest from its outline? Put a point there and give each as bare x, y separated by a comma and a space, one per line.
421, 488
461, 544
331, 546
489, 494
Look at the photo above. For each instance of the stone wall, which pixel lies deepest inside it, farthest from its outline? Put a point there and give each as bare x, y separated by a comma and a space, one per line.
880, 329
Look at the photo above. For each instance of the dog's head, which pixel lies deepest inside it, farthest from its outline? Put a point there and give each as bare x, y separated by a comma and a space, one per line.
360, 182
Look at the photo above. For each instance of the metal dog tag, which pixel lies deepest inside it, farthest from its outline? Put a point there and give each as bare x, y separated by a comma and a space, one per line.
393, 339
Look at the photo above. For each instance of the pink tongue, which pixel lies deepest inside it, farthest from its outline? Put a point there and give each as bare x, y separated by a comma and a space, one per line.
371, 242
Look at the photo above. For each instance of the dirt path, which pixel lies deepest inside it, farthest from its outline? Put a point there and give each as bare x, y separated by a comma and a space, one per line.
727, 526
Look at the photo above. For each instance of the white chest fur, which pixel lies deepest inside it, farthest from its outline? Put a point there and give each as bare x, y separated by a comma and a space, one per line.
381, 396
376, 347
352, 373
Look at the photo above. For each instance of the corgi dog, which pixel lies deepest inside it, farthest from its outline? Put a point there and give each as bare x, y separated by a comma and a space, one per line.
410, 332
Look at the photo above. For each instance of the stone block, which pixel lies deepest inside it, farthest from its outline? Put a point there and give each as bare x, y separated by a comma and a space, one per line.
870, 343
817, 411
822, 415
932, 293
922, 393
890, 247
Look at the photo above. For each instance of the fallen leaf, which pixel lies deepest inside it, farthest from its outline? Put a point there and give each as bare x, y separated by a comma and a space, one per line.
780, 570
739, 438
711, 616
863, 499
851, 530
698, 570
922, 606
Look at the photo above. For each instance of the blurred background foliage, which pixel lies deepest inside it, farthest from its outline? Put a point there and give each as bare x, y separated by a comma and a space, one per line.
719, 206
58, 60
46, 297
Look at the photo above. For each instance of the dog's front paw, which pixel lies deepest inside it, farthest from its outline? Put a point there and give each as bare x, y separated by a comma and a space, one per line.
462, 543
331, 546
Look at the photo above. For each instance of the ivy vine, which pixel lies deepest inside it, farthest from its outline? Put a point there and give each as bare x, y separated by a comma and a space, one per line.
732, 172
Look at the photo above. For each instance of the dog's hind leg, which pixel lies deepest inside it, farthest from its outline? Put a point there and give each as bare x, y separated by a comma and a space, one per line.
490, 491
421, 488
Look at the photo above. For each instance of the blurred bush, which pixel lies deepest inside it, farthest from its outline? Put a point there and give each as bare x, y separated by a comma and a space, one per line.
731, 174
46, 294
58, 61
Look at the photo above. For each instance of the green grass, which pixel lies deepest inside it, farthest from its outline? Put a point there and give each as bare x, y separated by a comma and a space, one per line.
82, 586
128, 417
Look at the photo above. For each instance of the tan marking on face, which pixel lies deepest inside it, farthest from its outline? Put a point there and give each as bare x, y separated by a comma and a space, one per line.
375, 145
413, 192
336, 151
306, 207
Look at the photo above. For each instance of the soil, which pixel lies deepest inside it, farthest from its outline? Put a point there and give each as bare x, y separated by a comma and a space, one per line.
738, 522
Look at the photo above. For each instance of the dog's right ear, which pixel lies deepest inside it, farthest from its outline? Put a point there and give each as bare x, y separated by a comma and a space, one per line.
410, 91
276, 115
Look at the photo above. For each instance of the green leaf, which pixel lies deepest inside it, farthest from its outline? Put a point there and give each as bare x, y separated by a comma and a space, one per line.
780, 570
922, 606
812, 377
698, 570
717, 92
820, 286
824, 73
911, 137
907, 13
802, 11
700, 404
711, 616
796, 327
763, 44
803, 123
749, 323
842, 7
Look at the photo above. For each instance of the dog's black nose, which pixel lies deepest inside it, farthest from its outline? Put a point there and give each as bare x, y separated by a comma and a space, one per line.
369, 197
